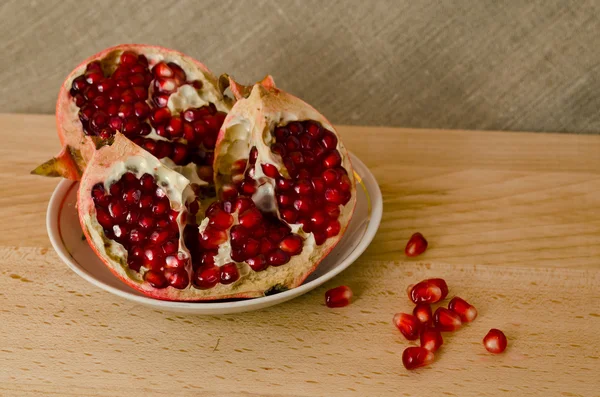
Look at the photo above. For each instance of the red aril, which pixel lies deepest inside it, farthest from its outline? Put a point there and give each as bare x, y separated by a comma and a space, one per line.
465, 310
426, 292
431, 339
423, 313
495, 341
415, 357
408, 325
416, 245
446, 320
338, 296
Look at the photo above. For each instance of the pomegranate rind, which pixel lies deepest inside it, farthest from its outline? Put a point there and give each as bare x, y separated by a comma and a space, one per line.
69, 128
250, 123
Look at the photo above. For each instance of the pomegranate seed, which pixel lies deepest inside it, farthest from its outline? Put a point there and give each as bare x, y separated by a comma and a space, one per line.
425, 292
279, 149
212, 238
495, 341
332, 210
161, 207
258, 263
128, 58
415, 357
303, 187
446, 320
335, 196
295, 128
207, 277
281, 133
465, 311
117, 210
160, 116
155, 279
291, 244
314, 129
208, 258
329, 140
289, 215
333, 228
239, 234
229, 273
332, 160
416, 245
408, 325
250, 218
177, 278
441, 284
180, 153
147, 222
162, 70
423, 312
338, 296
221, 220
146, 202
175, 127
320, 237
159, 236
277, 258
270, 170
136, 236
318, 219
169, 248
431, 339
251, 248
303, 205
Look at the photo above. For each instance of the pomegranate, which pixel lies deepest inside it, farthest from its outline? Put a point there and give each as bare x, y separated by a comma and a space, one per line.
163, 100
167, 236
495, 341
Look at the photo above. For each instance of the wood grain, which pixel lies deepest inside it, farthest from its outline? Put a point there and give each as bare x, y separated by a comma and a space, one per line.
513, 227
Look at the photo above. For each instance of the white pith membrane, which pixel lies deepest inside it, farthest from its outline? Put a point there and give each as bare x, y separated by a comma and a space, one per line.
186, 96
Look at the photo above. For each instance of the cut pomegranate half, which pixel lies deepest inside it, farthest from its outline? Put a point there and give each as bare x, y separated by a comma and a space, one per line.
165, 101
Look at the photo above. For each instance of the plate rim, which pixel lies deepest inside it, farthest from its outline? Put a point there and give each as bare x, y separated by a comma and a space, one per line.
376, 203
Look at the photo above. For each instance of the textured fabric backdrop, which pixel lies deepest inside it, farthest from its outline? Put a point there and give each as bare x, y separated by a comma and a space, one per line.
504, 65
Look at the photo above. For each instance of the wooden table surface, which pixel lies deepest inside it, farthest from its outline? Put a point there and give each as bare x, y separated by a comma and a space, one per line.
513, 222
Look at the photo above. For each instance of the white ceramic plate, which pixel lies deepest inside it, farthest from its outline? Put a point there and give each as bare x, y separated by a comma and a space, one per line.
68, 241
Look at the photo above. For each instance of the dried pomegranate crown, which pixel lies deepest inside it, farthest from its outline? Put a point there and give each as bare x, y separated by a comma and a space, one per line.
185, 197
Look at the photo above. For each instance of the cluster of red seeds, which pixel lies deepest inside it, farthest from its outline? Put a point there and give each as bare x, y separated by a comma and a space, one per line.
137, 214
317, 184
133, 99
427, 327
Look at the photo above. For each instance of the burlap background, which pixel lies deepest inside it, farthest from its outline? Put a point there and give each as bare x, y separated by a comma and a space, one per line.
507, 65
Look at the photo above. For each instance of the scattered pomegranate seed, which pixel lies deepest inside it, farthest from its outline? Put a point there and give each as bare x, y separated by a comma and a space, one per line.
425, 292
416, 245
446, 320
338, 296
495, 341
414, 357
466, 311
431, 339
408, 325
423, 312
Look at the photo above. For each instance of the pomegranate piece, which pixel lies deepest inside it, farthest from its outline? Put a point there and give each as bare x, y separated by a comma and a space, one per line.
416, 245
415, 357
446, 320
495, 341
128, 94
338, 296
466, 311
423, 312
408, 325
431, 339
